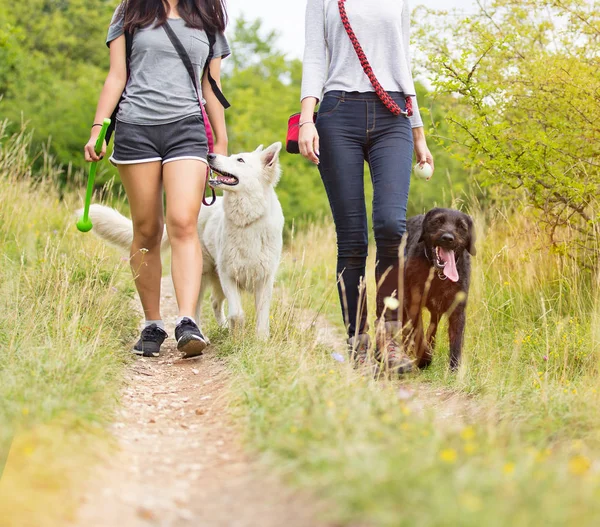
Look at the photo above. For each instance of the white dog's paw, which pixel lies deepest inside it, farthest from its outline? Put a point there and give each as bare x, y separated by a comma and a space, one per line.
219, 314
236, 323
263, 334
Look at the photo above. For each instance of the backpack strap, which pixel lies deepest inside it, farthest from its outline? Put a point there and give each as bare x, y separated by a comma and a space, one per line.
183, 54
113, 117
213, 84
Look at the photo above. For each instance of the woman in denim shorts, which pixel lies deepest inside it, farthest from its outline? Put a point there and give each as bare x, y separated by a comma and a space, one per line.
160, 142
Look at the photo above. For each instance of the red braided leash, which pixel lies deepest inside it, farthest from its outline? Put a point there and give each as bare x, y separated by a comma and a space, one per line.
381, 93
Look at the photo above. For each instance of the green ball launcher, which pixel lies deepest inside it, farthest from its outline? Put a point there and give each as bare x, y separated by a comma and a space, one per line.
85, 224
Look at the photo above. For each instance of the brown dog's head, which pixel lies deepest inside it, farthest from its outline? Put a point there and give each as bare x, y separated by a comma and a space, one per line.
447, 233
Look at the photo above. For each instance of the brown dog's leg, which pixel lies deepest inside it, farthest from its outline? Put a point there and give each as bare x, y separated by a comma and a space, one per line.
413, 323
429, 345
419, 341
456, 330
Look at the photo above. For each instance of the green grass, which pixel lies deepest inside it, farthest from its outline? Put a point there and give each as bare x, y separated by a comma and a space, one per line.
65, 313
516, 443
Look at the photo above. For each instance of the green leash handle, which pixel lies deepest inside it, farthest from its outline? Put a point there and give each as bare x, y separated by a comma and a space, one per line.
85, 224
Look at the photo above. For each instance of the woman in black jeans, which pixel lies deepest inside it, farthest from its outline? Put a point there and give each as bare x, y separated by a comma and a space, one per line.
354, 126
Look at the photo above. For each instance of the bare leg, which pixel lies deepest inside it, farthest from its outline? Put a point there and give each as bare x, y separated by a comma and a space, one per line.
184, 186
143, 185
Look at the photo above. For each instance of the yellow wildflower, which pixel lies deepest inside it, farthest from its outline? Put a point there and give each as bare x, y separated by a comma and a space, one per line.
508, 468
579, 465
448, 455
467, 433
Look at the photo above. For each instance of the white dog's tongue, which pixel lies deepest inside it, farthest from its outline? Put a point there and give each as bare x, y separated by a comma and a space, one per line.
450, 270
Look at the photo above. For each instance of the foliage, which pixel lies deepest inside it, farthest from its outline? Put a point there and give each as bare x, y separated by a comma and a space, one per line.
526, 74
52, 65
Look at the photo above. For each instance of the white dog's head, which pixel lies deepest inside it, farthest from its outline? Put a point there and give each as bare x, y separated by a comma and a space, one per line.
248, 172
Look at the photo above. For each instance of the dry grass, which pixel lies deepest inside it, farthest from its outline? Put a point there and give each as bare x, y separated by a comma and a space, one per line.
64, 316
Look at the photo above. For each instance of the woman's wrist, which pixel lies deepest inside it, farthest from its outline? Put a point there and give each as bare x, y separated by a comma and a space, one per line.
418, 133
221, 147
308, 109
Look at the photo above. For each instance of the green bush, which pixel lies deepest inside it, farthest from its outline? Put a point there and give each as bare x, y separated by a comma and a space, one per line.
526, 78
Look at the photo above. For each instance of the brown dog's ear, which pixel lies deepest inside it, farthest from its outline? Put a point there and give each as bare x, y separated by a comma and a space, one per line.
471, 238
425, 220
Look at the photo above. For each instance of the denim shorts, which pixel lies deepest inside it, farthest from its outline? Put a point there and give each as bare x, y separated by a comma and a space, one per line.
138, 143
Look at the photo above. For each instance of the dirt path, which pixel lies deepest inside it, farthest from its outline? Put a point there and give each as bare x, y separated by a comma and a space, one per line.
446, 407
179, 460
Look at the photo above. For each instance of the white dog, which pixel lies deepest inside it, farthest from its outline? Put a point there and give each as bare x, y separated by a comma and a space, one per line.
241, 234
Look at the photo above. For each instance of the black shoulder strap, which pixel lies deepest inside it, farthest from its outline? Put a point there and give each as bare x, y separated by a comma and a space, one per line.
183, 54
113, 117
128, 48
213, 84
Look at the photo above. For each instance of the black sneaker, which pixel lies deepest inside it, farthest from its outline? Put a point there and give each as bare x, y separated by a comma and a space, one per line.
150, 341
190, 339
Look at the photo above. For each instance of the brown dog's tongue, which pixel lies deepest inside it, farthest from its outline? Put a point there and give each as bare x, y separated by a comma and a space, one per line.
450, 270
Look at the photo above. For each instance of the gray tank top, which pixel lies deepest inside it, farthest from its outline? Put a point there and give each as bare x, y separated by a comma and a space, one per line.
159, 89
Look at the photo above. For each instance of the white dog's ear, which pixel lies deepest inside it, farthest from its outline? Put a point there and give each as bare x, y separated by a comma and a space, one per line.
259, 149
271, 155
270, 160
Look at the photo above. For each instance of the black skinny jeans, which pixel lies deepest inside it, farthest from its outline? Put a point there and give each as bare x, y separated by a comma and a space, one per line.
354, 127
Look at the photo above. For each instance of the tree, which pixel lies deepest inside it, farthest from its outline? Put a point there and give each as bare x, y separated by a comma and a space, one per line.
52, 66
525, 75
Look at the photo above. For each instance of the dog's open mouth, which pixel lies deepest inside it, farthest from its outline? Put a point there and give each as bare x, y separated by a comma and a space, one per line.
222, 178
445, 261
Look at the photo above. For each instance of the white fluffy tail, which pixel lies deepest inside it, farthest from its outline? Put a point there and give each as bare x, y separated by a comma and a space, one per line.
115, 228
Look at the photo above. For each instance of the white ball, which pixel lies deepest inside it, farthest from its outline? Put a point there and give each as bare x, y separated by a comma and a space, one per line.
423, 172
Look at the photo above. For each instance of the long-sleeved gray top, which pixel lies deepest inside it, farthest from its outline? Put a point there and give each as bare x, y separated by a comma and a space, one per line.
330, 62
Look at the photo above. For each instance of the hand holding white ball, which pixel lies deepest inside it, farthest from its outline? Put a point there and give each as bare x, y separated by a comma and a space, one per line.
423, 172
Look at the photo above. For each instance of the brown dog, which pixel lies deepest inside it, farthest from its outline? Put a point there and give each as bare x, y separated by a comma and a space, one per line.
437, 275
